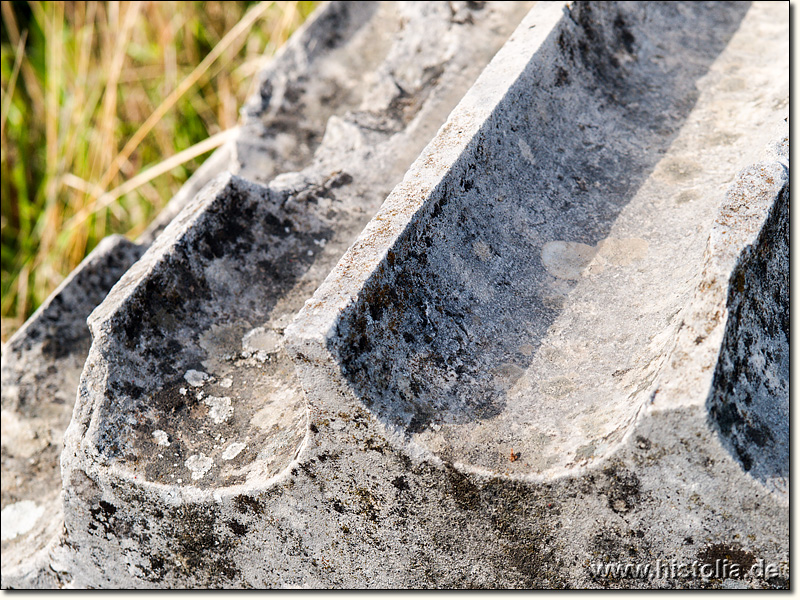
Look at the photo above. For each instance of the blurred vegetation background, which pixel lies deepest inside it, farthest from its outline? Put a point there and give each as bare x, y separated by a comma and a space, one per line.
107, 108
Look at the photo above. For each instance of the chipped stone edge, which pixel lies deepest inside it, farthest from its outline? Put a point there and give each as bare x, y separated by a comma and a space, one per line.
740, 218
315, 325
106, 245
223, 158
307, 338
79, 449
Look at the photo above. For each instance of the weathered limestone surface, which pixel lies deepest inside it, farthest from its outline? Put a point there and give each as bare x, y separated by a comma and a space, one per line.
342, 101
355, 352
42, 364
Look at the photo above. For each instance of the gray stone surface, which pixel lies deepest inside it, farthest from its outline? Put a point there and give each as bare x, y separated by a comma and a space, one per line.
562, 339
341, 100
41, 366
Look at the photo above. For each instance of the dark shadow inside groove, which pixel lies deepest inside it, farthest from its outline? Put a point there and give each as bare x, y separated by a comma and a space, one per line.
749, 399
198, 388
455, 315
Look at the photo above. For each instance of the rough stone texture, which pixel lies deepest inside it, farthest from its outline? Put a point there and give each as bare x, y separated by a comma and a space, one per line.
341, 100
559, 341
42, 364
750, 396
349, 64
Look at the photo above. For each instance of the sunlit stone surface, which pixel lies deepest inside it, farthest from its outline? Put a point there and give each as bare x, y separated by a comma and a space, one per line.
484, 294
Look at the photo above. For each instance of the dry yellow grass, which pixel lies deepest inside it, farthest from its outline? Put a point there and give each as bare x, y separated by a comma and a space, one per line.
107, 108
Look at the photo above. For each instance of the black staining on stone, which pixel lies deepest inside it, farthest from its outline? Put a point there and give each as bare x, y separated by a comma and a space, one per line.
598, 50
368, 504
464, 492
246, 241
201, 553
562, 77
421, 420
298, 110
276, 227
400, 483
418, 346
335, 24
157, 569
718, 555
534, 562
412, 306
237, 528
624, 34
42, 362
309, 470
173, 346
612, 544
412, 310
622, 488
603, 43
174, 404
758, 433
122, 525
739, 281
108, 441
744, 457
565, 45
375, 445
778, 582
126, 387
229, 232
525, 521
170, 296
103, 514
57, 347
247, 504
467, 179
607, 543
749, 401
107, 508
